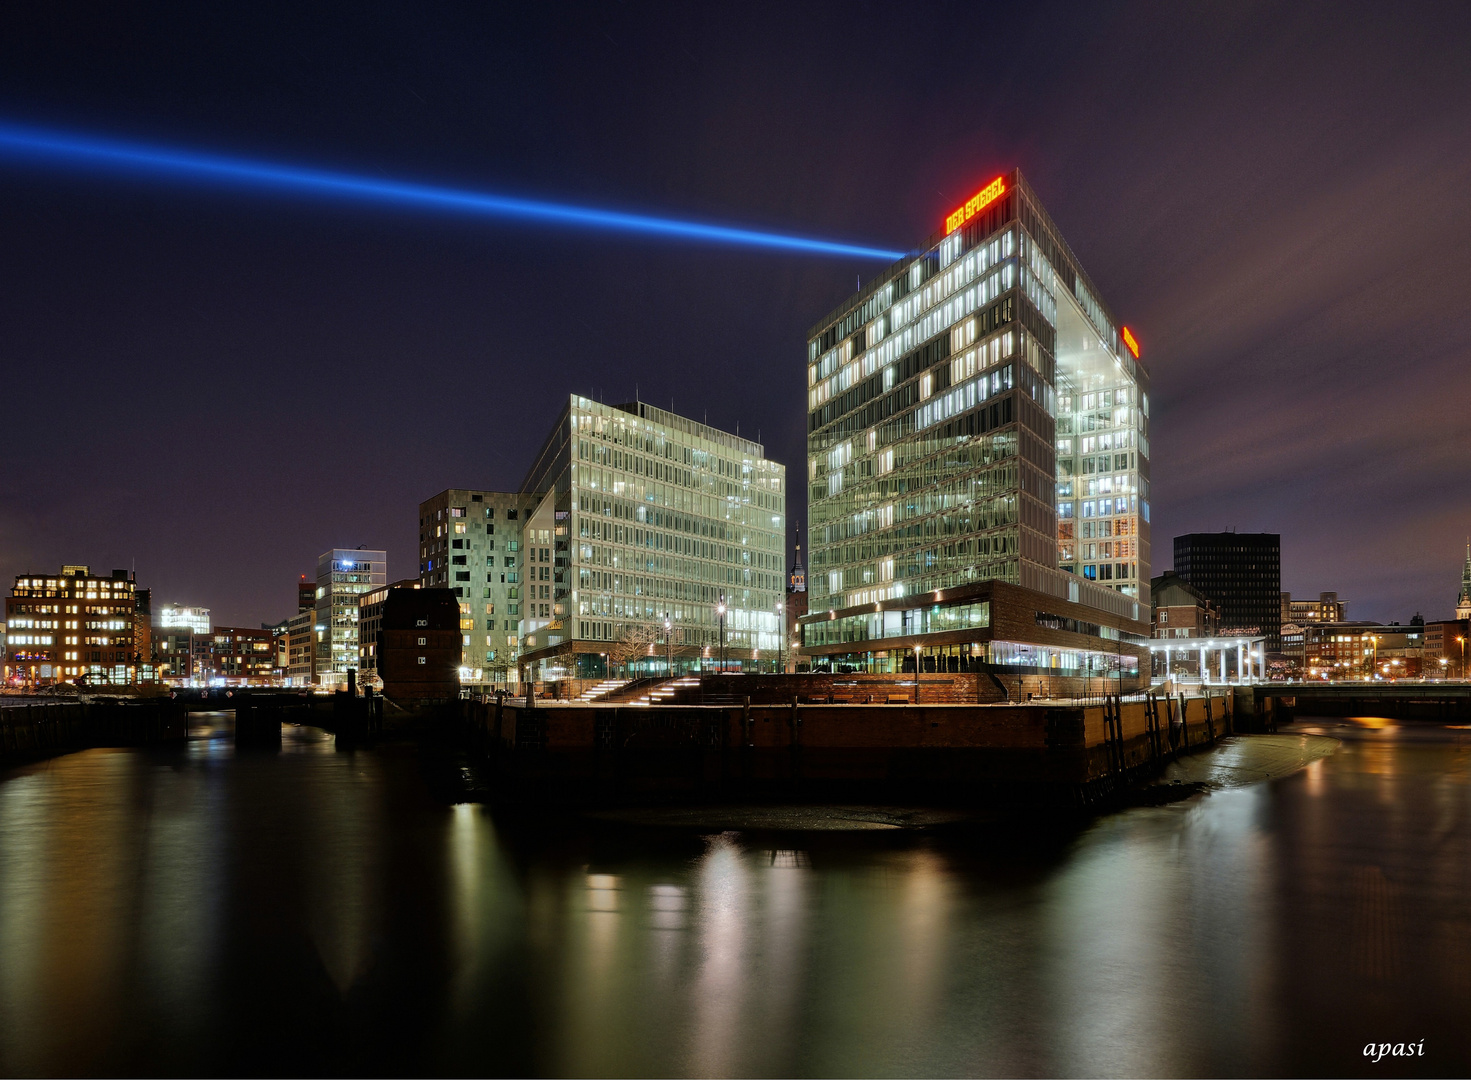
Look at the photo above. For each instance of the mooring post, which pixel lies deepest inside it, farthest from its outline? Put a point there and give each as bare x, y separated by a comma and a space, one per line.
795, 764
747, 738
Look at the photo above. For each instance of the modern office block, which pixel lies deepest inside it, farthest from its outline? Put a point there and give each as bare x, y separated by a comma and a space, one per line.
301, 647
642, 516
470, 543
978, 434
1242, 573
193, 619
343, 575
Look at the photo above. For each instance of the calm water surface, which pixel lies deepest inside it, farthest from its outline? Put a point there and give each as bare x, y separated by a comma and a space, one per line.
195, 911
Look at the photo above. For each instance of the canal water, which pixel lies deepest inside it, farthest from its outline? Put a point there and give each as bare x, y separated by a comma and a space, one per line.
199, 911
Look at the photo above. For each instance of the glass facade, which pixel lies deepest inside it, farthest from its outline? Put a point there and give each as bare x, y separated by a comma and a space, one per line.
977, 414
874, 626
343, 575
644, 516
193, 619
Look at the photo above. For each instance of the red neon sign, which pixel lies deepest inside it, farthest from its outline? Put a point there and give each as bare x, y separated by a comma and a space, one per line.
1131, 343
976, 203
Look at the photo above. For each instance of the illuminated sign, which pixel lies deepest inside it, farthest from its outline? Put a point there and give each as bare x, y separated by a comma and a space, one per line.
1131, 343
976, 203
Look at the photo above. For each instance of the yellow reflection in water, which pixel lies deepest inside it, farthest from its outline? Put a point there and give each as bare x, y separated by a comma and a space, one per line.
724, 912
1373, 723
344, 878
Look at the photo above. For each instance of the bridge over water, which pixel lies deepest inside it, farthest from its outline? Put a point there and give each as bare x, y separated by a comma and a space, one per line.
1397, 700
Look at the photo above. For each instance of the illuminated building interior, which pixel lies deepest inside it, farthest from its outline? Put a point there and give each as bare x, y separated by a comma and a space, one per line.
977, 415
72, 626
343, 576
644, 515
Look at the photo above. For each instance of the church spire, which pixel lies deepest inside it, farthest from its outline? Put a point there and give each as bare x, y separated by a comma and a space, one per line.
1463, 602
797, 579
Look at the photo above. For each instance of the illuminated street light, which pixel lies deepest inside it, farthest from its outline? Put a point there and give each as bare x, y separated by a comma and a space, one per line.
781, 633
720, 610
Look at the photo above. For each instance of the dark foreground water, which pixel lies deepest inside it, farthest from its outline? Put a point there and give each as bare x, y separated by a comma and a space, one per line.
318, 912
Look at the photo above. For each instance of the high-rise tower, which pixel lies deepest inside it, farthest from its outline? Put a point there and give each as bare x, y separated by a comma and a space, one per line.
978, 439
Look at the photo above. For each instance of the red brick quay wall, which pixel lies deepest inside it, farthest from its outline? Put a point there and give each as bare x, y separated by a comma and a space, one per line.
1035, 752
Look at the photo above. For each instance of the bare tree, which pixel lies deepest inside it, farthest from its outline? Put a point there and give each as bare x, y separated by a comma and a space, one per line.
634, 640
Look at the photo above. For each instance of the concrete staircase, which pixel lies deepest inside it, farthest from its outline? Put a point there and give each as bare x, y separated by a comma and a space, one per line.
602, 689
667, 690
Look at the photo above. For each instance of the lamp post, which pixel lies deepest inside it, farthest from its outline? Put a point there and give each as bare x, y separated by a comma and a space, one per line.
781, 633
917, 650
1375, 639
720, 610
668, 648
1462, 640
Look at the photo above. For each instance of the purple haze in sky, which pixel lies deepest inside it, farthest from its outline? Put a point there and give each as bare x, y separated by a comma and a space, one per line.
216, 388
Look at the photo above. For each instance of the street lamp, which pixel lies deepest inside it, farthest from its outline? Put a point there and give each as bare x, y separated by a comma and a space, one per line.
720, 610
917, 650
781, 633
668, 648
1375, 639
1462, 640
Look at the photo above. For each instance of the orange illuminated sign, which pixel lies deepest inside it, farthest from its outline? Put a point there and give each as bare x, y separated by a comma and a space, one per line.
976, 203
1131, 343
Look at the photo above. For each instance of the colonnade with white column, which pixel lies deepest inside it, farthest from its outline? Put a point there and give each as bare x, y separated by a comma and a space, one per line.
1217, 661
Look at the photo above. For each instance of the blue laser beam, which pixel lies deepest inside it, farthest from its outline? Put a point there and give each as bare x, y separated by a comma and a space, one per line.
68, 148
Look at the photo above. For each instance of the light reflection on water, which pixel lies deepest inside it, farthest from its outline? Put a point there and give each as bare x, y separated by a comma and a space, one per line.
203, 910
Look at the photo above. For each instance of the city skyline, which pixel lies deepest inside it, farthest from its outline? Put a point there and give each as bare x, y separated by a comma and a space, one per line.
1245, 240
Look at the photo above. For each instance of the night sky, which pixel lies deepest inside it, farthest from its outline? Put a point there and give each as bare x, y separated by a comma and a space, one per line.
216, 387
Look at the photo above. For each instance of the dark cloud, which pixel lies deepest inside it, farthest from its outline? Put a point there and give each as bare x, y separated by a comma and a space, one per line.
219, 388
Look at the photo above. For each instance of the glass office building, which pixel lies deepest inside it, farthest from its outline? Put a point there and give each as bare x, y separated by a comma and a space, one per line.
978, 437
644, 516
343, 575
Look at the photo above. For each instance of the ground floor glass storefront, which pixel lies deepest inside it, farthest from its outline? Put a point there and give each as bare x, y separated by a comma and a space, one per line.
657, 664
1002, 657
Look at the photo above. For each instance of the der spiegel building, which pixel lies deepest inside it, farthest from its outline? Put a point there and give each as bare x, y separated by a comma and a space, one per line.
978, 460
